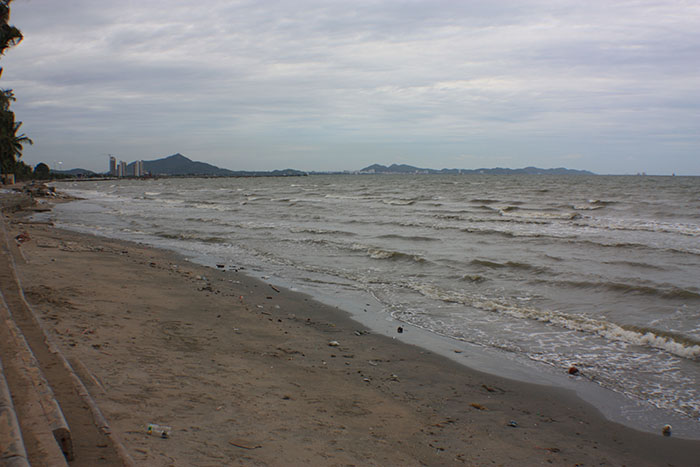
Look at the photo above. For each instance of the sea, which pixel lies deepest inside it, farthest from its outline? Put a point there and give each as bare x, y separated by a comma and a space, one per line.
524, 276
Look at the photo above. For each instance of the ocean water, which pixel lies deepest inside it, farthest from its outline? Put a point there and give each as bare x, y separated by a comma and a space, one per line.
600, 272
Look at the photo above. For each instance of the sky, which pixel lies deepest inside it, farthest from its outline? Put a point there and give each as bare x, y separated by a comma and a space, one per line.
607, 86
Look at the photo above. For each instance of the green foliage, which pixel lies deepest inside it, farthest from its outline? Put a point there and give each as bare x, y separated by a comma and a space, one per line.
42, 171
9, 35
22, 171
11, 141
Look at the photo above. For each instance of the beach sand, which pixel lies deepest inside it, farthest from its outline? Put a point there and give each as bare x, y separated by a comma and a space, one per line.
249, 374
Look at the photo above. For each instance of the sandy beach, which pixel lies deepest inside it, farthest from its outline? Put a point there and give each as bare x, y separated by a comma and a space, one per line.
246, 373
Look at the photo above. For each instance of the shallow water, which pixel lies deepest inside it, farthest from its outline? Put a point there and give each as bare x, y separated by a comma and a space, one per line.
600, 272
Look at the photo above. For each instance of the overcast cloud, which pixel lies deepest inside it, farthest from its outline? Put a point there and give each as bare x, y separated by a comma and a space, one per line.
611, 87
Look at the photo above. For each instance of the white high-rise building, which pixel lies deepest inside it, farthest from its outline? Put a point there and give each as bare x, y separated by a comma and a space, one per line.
121, 170
138, 169
112, 166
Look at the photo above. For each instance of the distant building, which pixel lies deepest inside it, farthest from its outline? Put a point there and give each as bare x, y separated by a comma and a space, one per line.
138, 169
112, 166
121, 170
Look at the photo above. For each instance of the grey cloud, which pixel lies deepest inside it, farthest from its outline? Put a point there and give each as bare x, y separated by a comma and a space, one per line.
462, 76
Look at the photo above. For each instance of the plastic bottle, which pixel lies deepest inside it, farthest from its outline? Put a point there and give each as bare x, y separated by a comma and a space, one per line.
158, 430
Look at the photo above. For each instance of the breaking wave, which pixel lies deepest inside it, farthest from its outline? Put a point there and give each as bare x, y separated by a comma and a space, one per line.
413, 238
517, 212
191, 236
507, 264
379, 253
679, 345
668, 291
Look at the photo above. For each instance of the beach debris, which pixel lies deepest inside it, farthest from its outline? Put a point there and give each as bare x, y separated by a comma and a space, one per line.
274, 288
244, 444
394, 377
513, 424
554, 450
333, 344
442, 424
220, 266
666, 430
41, 244
436, 447
574, 371
39, 189
162, 431
361, 333
22, 237
493, 389
478, 406
366, 380
399, 329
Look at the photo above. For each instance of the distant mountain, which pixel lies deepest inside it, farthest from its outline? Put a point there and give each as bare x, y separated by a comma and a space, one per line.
179, 165
75, 172
408, 169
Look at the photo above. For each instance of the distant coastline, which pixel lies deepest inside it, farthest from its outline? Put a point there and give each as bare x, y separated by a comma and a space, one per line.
408, 169
178, 165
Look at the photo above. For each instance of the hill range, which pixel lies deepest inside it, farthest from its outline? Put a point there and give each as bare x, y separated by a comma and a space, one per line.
178, 165
409, 169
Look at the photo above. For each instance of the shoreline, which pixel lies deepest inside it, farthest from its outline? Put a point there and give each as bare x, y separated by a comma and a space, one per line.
618, 407
231, 361
615, 407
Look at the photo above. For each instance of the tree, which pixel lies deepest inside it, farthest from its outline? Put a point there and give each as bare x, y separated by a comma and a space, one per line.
41, 171
22, 171
9, 35
11, 142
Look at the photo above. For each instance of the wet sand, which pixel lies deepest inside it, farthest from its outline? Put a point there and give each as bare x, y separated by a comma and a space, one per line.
246, 373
